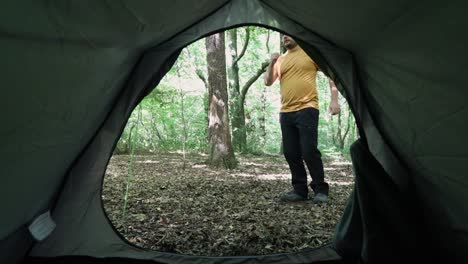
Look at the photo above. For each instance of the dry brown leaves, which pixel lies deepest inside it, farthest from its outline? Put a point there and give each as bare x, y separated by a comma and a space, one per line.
182, 206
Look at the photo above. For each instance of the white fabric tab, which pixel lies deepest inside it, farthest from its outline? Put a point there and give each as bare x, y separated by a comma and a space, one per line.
42, 226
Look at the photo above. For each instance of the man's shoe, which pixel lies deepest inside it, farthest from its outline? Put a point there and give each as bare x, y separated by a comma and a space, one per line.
291, 197
320, 198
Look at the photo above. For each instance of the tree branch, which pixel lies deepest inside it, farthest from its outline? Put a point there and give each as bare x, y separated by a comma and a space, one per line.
246, 86
347, 127
198, 71
244, 48
267, 44
202, 77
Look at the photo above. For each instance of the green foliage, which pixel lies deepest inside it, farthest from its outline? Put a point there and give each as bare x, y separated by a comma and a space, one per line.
162, 126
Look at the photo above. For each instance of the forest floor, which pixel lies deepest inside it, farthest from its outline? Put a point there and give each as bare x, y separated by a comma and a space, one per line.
182, 206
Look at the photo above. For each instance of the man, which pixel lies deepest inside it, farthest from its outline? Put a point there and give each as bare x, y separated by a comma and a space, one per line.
299, 118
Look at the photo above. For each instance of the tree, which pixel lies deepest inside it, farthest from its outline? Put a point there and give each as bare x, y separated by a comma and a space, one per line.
221, 152
237, 92
282, 51
263, 100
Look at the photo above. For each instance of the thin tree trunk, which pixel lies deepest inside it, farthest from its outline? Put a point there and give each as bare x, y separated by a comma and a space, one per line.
348, 125
150, 134
238, 95
155, 128
339, 136
263, 100
263, 119
237, 114
182, 115
332, 130
281, 51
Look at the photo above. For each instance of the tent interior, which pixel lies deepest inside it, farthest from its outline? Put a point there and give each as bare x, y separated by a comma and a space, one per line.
73, 71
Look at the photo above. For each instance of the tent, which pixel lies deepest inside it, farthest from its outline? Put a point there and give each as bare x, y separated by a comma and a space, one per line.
73, 71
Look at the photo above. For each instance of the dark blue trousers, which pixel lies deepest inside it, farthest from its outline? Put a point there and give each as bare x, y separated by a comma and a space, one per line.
300, 132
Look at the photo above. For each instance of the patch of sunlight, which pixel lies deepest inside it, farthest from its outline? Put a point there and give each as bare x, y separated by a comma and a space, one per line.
331, 169
199, 166
340, 183
341, 163
278, 176
254, 164
275, 176
148, 161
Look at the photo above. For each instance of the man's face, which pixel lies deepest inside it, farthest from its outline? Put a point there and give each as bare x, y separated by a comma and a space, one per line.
289, 42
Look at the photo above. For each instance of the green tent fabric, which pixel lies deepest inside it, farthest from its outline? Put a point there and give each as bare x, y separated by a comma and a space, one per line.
73, 71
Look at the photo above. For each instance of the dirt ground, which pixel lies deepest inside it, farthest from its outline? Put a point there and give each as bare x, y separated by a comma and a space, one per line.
177, 204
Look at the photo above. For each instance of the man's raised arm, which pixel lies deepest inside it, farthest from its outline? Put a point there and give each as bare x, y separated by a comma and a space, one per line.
271, 75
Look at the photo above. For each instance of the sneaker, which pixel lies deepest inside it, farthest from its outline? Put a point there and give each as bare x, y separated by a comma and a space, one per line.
291, 197
320, 198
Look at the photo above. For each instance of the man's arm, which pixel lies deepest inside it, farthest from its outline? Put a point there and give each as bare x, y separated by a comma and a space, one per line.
271, 75
334, 107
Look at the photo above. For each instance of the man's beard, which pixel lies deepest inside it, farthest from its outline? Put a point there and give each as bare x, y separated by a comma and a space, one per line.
290, 45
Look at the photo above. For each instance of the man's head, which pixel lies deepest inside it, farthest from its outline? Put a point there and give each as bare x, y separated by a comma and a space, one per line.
289, 42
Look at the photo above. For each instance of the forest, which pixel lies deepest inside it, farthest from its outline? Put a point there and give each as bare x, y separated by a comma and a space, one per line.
199, 165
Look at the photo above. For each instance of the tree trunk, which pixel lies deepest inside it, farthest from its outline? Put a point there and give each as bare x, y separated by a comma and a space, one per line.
221, 151
237, 110
238, 94
339, 138
263, 100
348, 125
282, 50
263, 118
182, 116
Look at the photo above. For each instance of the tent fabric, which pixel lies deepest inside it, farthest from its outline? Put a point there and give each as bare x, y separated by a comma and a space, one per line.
375, 195
72, 72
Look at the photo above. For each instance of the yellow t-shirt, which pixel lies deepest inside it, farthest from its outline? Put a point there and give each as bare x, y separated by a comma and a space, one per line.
297, 74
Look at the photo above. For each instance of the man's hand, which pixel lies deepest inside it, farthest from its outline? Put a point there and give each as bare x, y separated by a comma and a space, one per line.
270, 74
334, 108
274, 57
